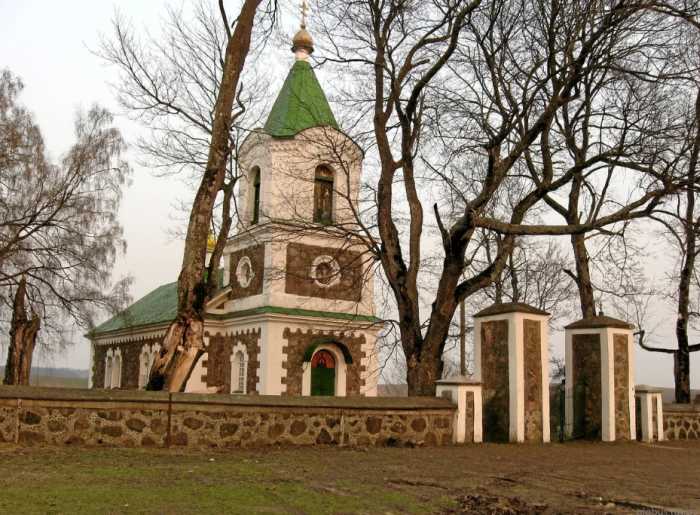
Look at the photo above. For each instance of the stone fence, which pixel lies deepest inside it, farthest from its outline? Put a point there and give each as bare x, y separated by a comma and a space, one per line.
682, 421
30, 415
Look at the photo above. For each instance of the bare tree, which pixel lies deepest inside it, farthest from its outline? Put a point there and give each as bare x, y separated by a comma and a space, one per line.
193, 101
59, 234
681, 223
493, 76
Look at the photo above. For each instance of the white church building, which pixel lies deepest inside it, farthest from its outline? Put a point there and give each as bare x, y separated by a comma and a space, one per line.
295, 311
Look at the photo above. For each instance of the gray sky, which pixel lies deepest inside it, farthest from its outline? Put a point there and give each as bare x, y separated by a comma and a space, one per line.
48, 44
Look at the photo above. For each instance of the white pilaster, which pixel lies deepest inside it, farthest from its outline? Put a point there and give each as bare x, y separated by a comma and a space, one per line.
607, 379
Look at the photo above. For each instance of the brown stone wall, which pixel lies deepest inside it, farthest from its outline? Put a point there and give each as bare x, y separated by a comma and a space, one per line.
133, 419
8, 420
297, 343
494, 371
587, 388
244, 428
469, 428
256, 254
622, 383
532, 350
682, 422
298, 281
131, 353
218, 362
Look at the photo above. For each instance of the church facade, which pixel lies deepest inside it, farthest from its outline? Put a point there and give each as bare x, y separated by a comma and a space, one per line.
295, 311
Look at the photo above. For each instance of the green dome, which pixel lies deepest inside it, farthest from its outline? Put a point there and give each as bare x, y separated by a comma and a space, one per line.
301, 104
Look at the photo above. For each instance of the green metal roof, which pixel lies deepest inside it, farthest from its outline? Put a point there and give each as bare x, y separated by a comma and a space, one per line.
157, 307
160, 306
301, 104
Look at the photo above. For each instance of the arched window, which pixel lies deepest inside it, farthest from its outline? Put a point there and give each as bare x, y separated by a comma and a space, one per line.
117, 370
255, 215
108, 369
238, 371
144, 365
323, 195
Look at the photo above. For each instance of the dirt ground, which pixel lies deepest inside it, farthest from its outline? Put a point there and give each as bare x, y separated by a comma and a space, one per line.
499, 479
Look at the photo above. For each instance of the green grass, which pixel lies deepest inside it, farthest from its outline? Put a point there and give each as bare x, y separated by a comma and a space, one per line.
158, 481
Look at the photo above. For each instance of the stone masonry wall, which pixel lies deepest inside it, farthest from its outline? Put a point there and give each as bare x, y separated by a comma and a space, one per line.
298, 341
469, 426
218, 362
131, 353
31, 415
533, 380
587, 390
494, 371
622, 384
682, 421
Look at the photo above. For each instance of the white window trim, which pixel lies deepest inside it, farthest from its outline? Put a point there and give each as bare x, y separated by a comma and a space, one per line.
235, 370
144, 362
108, 368
117, 369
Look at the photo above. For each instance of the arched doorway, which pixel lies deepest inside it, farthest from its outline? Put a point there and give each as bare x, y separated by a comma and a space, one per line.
323, 373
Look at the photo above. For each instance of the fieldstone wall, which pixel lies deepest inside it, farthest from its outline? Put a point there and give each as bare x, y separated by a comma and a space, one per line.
131, 353
587, 387
681, 421
218, 362
494, 374
256, 255
622, 384
469, 426
31, 415
532, 350
298, 280
297, 343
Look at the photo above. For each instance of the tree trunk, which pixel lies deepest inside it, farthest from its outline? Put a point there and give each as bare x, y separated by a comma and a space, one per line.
681, 358
462, 339
583, 275
681, 374
183, 344
421, 375
23, 333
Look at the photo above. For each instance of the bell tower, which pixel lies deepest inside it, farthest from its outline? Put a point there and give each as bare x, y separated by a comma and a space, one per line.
295, 268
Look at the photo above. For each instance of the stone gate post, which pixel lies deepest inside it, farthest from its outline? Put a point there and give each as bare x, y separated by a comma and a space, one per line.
600, 379
511, 356
651, 413
465, 392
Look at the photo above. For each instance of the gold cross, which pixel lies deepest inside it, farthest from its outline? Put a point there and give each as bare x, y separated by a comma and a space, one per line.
304, 8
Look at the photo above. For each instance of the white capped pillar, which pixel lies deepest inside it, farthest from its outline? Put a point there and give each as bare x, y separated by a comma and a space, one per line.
512, 363
600, 380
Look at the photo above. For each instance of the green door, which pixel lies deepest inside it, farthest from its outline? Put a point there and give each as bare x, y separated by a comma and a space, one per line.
323, 374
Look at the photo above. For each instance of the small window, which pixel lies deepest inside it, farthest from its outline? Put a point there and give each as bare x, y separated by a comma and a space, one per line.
238, 373
108, 369
144, 368
323, 195
117, 370
255, 215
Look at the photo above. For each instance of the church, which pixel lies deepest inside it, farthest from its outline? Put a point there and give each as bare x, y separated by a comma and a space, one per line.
294, 314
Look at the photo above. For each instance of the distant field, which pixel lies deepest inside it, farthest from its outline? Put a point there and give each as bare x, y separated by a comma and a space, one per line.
475, 479
56, 377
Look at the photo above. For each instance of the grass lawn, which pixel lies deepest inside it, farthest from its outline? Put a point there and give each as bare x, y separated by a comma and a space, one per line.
571, 478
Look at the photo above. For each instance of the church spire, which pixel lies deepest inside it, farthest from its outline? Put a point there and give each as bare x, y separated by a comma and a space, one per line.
303, 43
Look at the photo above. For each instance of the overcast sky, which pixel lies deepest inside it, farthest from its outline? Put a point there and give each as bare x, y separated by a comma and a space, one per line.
49, 45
